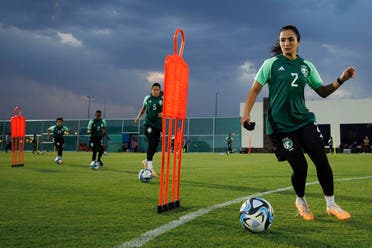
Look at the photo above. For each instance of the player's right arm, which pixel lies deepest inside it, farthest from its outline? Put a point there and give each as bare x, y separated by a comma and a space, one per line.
51, 129
90, 125
142, 110
263, 75
250, 101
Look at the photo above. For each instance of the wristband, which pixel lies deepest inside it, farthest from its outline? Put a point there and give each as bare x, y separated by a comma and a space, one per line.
339, 81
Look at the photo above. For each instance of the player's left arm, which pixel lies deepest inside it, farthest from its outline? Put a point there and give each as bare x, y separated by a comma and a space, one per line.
326, 90
105, 133
66, 130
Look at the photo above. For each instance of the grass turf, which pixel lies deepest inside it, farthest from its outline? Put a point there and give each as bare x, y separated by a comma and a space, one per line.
46, 205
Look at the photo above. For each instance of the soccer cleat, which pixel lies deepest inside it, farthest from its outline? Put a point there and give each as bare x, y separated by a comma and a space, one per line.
144, 162
100, 163
304, 210
154, 173
337, 211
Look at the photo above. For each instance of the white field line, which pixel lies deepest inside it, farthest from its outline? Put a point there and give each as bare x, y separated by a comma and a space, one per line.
150, 235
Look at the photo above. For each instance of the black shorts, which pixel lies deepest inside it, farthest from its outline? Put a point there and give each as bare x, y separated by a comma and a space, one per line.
152, 133
58, 141
286, 145
96, 142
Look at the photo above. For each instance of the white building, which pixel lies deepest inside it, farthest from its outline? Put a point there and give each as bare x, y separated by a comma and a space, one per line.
332, 112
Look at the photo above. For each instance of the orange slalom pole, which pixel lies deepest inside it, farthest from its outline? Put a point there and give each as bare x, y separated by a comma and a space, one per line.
161, 193
179, 162
170, 129
175, 147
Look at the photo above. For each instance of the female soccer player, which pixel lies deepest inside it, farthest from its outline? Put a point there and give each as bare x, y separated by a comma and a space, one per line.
153, 105
97, 130
289, 124
58, 130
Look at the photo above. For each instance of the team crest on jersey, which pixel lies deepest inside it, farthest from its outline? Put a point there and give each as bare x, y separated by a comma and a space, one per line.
287, 143
304, 70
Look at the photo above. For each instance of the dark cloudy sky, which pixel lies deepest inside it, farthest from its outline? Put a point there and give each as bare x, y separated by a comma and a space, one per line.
55, 53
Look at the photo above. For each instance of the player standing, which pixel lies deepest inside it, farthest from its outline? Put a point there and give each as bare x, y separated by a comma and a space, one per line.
97, 130
153, 105
229, 140
290, 125
58, 140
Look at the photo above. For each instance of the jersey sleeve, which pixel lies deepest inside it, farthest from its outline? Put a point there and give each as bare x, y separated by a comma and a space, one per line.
314, 79
264, 73
65, 129
104, 123
145, 100
90, 124
51, 129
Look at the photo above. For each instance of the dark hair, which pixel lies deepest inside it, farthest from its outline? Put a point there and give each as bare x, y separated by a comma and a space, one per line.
155, 84
276, 50
98, 111
59, 119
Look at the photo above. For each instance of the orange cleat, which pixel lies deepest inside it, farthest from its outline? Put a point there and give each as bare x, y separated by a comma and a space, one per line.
338, 212
304, 210
154, 173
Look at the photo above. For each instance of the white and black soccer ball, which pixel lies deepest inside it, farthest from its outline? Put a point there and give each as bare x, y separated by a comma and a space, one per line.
256, 215
58, 160
94, 165
145, 175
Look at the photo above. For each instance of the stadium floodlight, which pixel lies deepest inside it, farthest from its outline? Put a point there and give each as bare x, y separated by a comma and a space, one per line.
89, 100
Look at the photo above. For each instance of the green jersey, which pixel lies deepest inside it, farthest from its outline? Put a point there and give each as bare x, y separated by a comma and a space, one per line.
286, 80
58, 131
154, 106
229, 139
96, 127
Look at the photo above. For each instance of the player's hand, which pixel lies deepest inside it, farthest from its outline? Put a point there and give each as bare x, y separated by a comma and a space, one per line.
160, 115
348, 73
136, 121
246, 122
245, 118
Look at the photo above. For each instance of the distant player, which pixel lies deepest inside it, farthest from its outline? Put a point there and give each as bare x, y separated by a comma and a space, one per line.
8, 142
229, 140
153, 106
330, 143
289, 124
58, 131
97, 130
35, 144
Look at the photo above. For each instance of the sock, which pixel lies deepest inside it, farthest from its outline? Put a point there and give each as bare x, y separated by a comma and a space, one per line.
149, 165
300, 199
330, 200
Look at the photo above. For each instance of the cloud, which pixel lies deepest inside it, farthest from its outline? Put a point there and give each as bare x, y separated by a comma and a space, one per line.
46, 102
247, 72
155, 77
338, 51
69, 39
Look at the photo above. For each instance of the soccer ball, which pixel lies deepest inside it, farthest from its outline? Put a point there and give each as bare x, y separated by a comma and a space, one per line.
58, 160
145, 175
256, 215
94, 165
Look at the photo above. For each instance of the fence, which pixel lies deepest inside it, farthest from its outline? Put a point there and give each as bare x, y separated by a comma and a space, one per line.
201, 134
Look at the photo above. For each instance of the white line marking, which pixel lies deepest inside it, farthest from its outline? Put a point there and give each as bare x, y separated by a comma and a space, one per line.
150, 235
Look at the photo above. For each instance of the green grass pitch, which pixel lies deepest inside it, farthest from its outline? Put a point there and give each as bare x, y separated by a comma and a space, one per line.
45, 205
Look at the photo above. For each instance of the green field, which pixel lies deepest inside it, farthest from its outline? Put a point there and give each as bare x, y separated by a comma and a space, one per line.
45, 205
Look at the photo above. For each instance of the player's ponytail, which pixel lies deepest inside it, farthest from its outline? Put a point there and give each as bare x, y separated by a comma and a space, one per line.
276, 50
